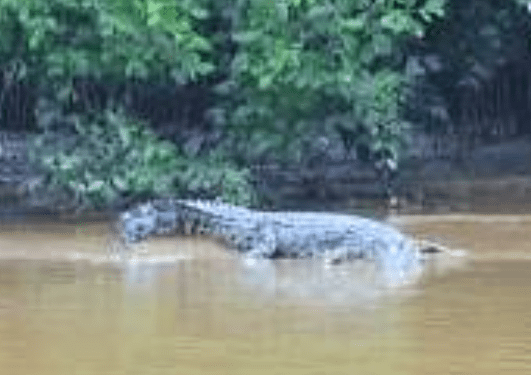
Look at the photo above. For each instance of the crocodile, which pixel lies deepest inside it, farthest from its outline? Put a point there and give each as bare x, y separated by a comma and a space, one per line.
262, 234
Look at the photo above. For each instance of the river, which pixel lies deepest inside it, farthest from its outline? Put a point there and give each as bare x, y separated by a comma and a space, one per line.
191, 306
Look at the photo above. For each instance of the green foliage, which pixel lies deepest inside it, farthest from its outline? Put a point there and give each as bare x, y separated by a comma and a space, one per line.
56, 40
215, 176
50, 42
113, 158
287, 70
300, 63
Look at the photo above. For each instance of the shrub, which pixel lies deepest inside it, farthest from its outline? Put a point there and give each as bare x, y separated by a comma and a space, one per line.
113, 160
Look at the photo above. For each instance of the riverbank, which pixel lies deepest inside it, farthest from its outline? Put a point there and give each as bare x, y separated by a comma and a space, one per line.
496, 179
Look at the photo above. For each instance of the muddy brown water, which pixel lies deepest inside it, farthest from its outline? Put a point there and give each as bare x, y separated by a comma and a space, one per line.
191, 306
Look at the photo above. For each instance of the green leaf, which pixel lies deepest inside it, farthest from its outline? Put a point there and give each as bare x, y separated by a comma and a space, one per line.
435, 7
198, 43
241, 62
353, 24
150, 151
319, 11
76, 186
35, 40
125, 136
205, 68
397, 21
95, 185
426, 16
154, 6
153, 19
248, 37
382, 44
282, 10
120, 183
199, 13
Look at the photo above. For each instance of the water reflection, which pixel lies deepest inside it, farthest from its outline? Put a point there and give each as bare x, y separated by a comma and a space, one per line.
305, 279
300, 281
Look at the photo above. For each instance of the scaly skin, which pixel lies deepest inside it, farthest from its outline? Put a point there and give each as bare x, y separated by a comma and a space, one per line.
256, 234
